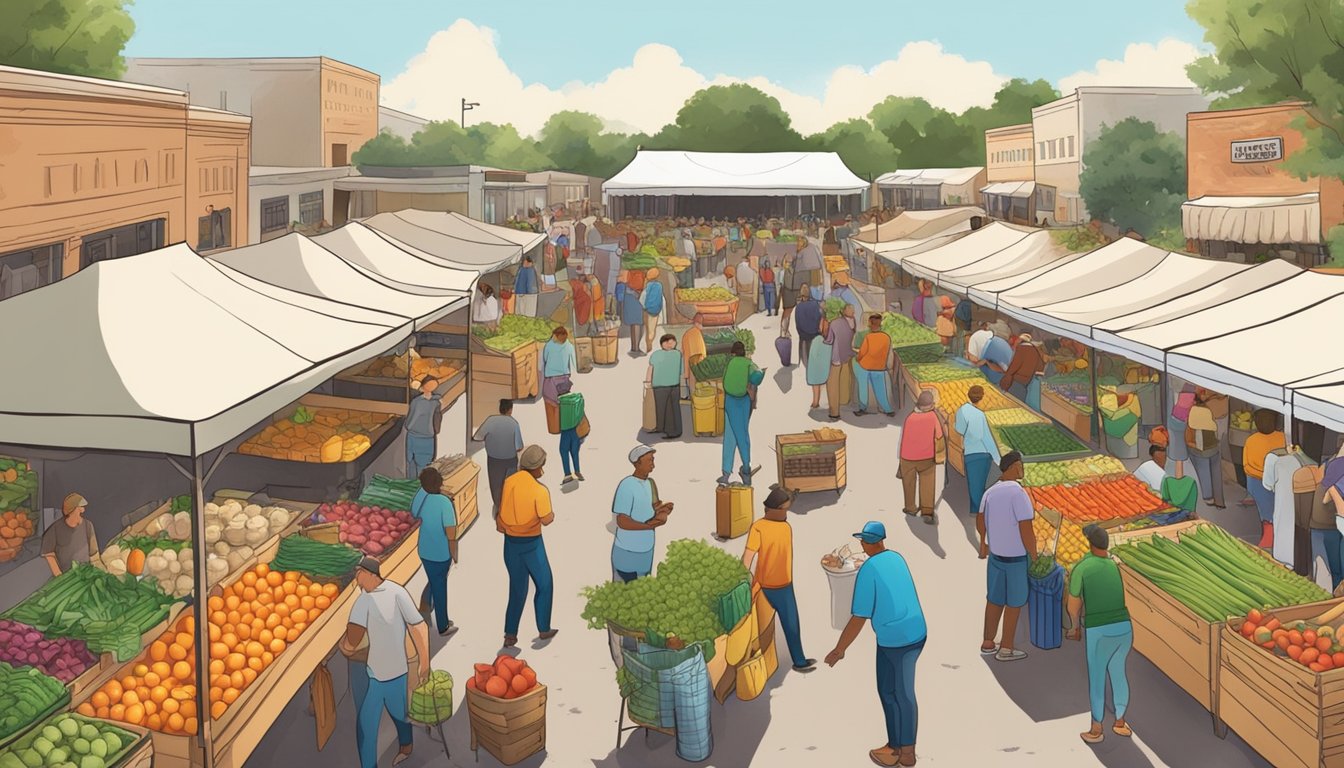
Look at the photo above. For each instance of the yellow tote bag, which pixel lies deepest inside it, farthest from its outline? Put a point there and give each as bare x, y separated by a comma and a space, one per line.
752, 675
740, 639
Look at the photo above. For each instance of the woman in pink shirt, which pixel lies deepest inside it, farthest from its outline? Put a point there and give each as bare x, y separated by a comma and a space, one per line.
919, 439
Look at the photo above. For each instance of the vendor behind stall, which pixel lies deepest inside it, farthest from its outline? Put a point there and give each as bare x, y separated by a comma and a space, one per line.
71, 539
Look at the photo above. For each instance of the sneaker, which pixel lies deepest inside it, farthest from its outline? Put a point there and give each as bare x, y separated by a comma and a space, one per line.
725, 478
806, 666
891, 414
860, 413
579, 476
548, 634
1010, 654
449, 632
989, 651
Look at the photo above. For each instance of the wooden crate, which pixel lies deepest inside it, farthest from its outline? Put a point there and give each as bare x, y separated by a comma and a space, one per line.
510, 729
142, 754
833, 481
1064, 412
956, 447
516, 370
461, 489
1292, 716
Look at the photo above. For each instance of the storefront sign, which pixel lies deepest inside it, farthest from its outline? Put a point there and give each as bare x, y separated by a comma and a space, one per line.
1257, 150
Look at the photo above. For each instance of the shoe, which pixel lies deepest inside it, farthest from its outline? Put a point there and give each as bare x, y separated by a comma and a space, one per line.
909, 512
449, 632
1121, 728
1092, 737
401, 757
860, 413
510, 641
891, 414
725, 478
930, 519
1266, 535
1010, 654
834, 418
579, 476
806, 666
884, 756
989, 651
548, 634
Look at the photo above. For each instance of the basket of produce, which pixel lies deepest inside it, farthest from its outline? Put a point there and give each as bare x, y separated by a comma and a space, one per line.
1099, 501
27, 696
18, 484
318, 435
432, 702
809, 460
952, 395
409, 367
1041, 442
914, 343
715, 300
60, 657
722, 341
1045, 602
1077, 394
938, 372
512, 332
711, 368
506, 707
1073, 470
69, 739
375, 531
315, 559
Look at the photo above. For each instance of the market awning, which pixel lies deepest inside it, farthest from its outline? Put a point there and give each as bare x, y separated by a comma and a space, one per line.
165, 352
1270, 220
736, 174
295, 263
967, 251
402, 266
930, 177
457, 240
915, 226
1010, 189
1103, 268
1033, 252
1320, 400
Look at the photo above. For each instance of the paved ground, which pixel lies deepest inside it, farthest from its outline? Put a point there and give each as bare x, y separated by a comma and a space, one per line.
972, 711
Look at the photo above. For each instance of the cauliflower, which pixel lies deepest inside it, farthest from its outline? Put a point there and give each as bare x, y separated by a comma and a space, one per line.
222, 548
279, 518
181, 526
212, 534
115, 566
184, 584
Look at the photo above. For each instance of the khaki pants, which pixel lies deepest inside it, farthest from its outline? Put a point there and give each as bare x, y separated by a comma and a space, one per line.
839, 387
650, 332
921, 472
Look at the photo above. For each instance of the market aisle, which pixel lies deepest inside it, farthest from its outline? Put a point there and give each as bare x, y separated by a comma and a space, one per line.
973, 711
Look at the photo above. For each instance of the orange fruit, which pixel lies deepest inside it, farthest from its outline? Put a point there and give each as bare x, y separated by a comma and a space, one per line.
162, 669
217, 709
130, 698
273, 621
182, 670
152, 679
293, 576
157, 694
215, 632
150, 707
265, 597
247, 618
330, 591
265, 637
299, 615
238, 679
217, 665
217, 651
260, 611
297, 629
283, 609
254, 649
267, 658
289, 587
255, 663
102, 712
280, 633
274, 579
230, 695
140, 670
170, 705
322, 602
277, 645
229, 638
154, 722
231, 603
301, 589
113, 689
235, 662
307, 602
177, 652
191, 725
187, 624
135, 714
99, 699
158, 650
117, 712
184, 639
244, 631
176, 722
143, 693
86, 709
216, 693
215, 603
249, 594
249, 579
232, 618
188, 708
249, 676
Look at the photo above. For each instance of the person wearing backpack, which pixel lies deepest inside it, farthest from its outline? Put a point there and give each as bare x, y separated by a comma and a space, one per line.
739, 377
572, 421
424, 419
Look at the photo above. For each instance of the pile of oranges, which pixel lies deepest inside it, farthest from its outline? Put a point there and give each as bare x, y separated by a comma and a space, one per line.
251, 623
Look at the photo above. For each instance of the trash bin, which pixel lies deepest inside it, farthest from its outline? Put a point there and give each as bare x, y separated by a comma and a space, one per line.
842, 594
1045, 609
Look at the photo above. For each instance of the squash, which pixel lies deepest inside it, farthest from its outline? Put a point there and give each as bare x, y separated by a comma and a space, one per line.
332, 450
135, 562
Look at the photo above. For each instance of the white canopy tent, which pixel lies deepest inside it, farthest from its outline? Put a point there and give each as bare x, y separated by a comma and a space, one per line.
295, 263
397, 264
912, 226
1034, 252
966, 251
734, 174
1103, 268
1292, 219
456, 240
1320, 399
237, 355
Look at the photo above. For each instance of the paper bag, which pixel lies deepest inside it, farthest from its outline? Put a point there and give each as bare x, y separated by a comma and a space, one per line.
324, 704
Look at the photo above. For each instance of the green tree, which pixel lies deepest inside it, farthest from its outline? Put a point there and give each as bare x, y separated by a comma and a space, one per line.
72, 37
576, 142
1265, 53
1012, 106
447, 143
865, 150
730, 118
1134, 177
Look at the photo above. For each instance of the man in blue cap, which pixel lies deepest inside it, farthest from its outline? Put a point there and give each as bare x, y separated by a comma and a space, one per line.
884, 593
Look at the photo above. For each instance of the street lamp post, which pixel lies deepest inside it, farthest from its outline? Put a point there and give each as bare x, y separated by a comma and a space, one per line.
467, 105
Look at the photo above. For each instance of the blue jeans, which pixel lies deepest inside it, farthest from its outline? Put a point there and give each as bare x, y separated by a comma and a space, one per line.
785, 604
525, 558
896, 689
1264, 498
375, 696
419, 454
436, 588
736, 437
1209, 472
768, 296
1329, 544
977, 476
1034, 393
1107, 649
569, 449
878, 381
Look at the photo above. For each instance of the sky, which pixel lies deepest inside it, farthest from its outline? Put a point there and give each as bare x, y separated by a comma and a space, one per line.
634, 64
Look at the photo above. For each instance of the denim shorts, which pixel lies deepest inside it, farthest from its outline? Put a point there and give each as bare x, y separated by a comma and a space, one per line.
1007, 577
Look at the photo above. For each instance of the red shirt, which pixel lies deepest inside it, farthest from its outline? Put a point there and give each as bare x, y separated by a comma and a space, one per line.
918, 435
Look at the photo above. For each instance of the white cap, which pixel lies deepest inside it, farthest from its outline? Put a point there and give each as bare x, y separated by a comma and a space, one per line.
639, 452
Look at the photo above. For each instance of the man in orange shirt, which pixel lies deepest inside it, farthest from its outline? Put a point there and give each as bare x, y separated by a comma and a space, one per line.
525, 506
872, 364
1267, 437
770, 544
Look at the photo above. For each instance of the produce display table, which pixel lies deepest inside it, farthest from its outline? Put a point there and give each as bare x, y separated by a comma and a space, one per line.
389, 378
1067, 413
812, 461
515, 370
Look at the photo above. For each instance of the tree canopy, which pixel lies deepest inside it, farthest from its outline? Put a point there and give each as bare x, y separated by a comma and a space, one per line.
730, 118
72, 37
1134, 177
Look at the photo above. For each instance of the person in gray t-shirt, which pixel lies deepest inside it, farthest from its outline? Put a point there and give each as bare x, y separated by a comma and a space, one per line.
69, 540
503, 440
422, 415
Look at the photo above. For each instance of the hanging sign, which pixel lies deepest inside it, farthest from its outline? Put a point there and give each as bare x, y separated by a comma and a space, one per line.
1257, 150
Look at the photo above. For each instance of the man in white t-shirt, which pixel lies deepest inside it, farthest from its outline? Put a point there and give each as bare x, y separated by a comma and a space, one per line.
1152, 471
975, 347
383, 613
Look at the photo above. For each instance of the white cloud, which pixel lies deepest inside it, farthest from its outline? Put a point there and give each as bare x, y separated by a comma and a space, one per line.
1143, 64
464, 62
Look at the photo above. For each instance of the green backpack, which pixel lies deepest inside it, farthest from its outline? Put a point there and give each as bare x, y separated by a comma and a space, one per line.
571, 410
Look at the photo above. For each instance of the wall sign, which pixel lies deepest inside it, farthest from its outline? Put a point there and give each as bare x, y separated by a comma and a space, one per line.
1257, 150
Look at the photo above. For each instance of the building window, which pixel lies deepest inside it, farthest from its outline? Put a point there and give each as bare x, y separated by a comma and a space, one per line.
214, 229
1053, 153
1071, 146
1041, 146
310, 208
23, 271
274, 214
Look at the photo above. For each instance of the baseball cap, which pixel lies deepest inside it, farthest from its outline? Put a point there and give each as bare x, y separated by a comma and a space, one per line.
640, 451
872, 532
371, 565
778, 497
72, 502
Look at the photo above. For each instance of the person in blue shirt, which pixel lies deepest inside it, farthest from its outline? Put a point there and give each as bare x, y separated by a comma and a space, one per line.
437, 547
525, 289
424, 415
559, 361
884, 593
980, 450
652, 299
995, 359
639, 513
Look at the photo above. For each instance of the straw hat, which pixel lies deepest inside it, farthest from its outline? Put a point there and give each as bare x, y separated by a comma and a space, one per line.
532, 457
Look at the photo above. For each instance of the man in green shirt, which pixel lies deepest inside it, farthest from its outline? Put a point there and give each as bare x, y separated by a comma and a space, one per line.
1095, 583
738, 378
664, 376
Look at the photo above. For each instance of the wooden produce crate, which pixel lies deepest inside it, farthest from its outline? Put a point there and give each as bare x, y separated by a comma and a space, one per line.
141, 754
956, 447
824, 471
461, 488
1066, 413
517, 369
510, 729
1292, 716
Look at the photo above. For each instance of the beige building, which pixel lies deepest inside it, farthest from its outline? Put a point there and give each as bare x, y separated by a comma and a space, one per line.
302, 200
1064, 128
96, 169
580, 195
306, 112
1010, 170
398, 123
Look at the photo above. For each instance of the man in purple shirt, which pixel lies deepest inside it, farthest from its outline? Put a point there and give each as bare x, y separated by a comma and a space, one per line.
1008, 541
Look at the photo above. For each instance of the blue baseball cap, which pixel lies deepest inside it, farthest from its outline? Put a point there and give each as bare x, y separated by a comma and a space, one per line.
872, 532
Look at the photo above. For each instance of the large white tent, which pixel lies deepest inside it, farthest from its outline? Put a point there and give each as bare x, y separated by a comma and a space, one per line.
1320, 399
914, 226
402, 266
734, 174
170, 354
295, 263
1103, 268
456, 240
1032, 253
965, 251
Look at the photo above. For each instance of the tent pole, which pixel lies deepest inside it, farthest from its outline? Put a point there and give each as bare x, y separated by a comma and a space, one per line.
1096, 412
201, 584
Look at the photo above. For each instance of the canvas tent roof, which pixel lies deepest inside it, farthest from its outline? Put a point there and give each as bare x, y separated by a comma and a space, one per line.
1010, 188
1293, 219
1321, 399
965, 251
295, 263
916, 225
399, 265
1034, 252
930, 176
736, 174
1098, 270
238, 355
458, 241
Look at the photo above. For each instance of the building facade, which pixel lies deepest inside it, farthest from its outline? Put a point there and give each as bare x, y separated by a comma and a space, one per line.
1064, 128
1010, 170
95, 169
306, 112
1244, 205
398, 123
579, 196
929, 188
285, 200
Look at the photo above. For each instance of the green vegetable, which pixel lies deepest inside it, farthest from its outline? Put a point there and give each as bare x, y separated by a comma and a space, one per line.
713, 293
832, 308
932, 373
315, 558
805, 449
26, 696
395, 494
712, 367
904, 331
1215, 575
1041, 566
727, 336
506, 342
432, 702
535, 328
302, 415
68, 737
1039, 439
148, 544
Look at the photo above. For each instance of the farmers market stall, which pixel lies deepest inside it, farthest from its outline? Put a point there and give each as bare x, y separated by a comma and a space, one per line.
969, 251
812, 461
